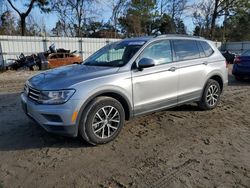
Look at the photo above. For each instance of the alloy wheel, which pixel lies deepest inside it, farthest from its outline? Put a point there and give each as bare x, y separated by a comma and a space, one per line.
106, 122
212, 95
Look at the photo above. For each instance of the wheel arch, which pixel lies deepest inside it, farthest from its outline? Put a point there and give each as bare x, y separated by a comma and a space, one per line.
108, 93
121, 98
217, 78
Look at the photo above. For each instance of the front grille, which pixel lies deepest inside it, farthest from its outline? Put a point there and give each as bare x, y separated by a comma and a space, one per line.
33, 93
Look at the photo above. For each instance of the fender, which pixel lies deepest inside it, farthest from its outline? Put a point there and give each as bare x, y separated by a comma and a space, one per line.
212, 74
102, 92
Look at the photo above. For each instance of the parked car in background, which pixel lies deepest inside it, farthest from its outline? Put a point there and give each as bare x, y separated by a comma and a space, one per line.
51, 58
241, 67
62, 58
125, 79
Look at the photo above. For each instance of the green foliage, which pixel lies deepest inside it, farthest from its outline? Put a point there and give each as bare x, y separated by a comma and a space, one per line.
44, 5
197, 31
143, 18
164, 24
131, 18
239, 27
138, 18
180, 27
7, 23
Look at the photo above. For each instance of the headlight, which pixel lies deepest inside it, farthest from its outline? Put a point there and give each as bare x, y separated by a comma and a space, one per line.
55, 97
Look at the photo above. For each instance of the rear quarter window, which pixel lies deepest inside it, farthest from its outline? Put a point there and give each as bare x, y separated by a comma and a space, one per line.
186, 50
207, 48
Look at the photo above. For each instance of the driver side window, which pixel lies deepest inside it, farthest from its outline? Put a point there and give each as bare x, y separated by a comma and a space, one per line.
160, 52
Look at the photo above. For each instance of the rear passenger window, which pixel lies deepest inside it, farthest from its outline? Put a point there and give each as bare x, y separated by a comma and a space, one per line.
207, 48
185, 49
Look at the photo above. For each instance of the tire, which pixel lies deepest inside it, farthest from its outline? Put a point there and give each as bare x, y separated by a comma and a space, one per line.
96, 127
211, 95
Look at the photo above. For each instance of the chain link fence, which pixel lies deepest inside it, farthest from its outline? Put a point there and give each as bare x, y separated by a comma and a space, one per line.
236, 47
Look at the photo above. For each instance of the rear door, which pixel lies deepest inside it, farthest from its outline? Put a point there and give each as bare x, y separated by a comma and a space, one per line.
192, 66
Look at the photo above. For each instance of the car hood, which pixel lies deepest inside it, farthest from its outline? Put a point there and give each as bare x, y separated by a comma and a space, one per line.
65, 77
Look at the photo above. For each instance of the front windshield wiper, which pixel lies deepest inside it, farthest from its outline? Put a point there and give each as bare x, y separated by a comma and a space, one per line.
88, 63
92, 63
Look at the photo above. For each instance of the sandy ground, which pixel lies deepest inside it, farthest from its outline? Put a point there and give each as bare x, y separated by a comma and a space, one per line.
180, 147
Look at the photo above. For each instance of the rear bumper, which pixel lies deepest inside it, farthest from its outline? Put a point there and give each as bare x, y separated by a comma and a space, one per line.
53, 118
240, 71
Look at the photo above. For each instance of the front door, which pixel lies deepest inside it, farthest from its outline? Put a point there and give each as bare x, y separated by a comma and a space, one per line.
155, 87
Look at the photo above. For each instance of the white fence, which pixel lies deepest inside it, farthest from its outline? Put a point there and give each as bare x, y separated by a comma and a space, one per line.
12, 46
236, 47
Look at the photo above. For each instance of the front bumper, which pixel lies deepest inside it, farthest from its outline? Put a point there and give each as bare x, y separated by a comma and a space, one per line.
53, 118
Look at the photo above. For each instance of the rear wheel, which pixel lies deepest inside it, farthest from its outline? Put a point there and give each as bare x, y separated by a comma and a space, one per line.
211, 95
102, 120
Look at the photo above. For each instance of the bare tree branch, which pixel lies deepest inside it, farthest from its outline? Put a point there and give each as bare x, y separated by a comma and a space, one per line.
11, 4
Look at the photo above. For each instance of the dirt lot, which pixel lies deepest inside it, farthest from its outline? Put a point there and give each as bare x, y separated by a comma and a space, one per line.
180, 147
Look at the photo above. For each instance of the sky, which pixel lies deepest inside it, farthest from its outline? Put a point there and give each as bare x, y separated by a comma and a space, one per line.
51, 19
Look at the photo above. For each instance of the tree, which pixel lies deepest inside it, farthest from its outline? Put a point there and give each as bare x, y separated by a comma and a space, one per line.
202, 17
180, 27
7, 23
176, 8
239, 26
58, 29
173, 8
138, 18
197, 31
163, 24
33, 28
117, 9
224, 7
162, 7
74, 14
23, 15
1, 7
94, 27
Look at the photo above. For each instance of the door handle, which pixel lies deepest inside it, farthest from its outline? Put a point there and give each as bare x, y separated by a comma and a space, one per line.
205, 63
172, 69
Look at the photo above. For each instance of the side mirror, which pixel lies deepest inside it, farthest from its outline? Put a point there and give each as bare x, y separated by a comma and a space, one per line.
145, 63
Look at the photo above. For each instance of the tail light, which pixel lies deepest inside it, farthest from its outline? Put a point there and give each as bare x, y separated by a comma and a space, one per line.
236, 60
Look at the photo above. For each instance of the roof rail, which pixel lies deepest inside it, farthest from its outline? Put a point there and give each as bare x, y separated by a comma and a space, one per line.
178, 35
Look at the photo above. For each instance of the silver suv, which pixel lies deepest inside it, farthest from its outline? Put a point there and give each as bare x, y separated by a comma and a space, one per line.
123, 80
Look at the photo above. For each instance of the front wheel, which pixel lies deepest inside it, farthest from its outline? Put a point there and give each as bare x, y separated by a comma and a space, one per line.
211, 95
102, 120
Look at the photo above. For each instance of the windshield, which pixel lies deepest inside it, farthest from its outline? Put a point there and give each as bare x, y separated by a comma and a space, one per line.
116, 54
246, 53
